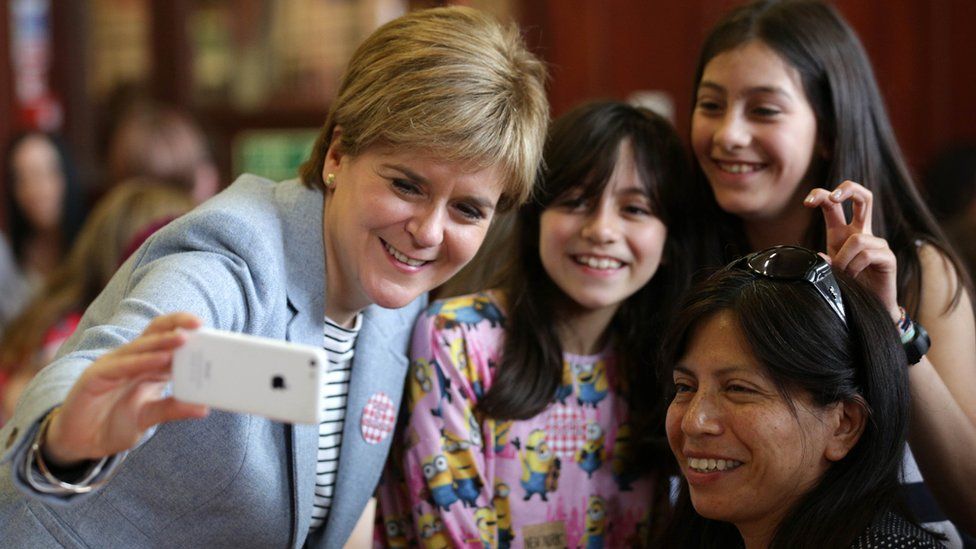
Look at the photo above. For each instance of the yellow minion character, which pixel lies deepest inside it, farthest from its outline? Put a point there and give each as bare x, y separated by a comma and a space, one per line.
538, 462
421, 380
596, 524
432, 532
439, 481
503, 515
592, 382
484, 517
501, 430
396, 534
460, 460
593, 453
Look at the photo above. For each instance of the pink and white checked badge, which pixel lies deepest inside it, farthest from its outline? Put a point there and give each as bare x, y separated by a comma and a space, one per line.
565, 429
378, 418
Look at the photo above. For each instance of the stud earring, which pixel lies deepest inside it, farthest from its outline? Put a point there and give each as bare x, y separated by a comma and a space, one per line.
330, 181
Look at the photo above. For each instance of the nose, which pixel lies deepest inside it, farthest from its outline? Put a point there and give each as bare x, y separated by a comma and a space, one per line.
702, 417
601, 226
427, 226
732, 132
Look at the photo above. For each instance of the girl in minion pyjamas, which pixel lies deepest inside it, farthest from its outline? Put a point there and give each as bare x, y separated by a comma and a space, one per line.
571, 328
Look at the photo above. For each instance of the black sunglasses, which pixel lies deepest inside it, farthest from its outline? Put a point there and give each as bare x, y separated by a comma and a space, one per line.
793, 263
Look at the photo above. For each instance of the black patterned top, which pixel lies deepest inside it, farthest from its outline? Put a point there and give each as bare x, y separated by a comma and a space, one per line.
894, 532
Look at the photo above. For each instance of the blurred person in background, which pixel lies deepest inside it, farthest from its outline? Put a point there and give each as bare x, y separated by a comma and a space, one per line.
117, 225
163, 143
44, 200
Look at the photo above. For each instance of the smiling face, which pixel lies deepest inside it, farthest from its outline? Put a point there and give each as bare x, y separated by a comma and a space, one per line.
601, 253
398, 224
754, 132
39, 182
747, 458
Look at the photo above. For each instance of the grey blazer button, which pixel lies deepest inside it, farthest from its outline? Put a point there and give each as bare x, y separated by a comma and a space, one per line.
12, 437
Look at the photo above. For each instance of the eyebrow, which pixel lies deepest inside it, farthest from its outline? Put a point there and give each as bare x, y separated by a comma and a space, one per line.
727, 370
414, 176
753, 90
636, 190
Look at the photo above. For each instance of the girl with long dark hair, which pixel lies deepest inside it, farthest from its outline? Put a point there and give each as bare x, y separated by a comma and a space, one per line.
520, 397
788, 119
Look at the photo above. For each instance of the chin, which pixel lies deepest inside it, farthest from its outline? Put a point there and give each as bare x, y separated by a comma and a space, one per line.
394, 300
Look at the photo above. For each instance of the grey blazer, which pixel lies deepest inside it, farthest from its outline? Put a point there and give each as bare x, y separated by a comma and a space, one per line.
250, 260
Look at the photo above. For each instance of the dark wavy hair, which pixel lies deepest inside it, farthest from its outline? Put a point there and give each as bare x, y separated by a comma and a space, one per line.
73, 201
580, 154
852, 126
806, 349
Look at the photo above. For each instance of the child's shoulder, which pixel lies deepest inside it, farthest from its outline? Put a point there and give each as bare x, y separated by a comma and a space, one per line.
467, 311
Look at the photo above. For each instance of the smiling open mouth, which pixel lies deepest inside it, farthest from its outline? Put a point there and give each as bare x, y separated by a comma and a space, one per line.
703, 465
602, 263
739, 167
401, 257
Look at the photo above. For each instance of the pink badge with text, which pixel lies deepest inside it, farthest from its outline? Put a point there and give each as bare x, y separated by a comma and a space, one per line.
379, 418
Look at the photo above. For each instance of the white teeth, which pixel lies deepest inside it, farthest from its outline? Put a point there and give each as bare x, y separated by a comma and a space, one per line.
602, 263
710, 465
739, 168
401, 257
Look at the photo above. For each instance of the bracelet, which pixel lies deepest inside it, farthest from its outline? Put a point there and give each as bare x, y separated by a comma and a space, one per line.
914, 339
56, 485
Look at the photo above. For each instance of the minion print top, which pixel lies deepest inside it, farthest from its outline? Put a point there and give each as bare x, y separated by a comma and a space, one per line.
455, 480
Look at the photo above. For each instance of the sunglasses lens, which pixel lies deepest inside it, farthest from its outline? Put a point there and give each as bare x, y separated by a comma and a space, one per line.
787, 263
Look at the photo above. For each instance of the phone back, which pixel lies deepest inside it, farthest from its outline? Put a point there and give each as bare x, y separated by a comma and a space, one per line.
243, 373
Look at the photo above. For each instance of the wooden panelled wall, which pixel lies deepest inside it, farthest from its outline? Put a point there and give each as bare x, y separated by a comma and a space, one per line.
923, 51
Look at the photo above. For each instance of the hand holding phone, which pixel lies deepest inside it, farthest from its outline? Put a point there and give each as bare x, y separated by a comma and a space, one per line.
250, 374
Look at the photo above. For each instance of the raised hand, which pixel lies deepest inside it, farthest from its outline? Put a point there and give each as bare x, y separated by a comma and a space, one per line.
852, 247
119, 396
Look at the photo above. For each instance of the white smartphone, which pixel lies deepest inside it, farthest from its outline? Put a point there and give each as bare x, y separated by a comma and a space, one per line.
250, 374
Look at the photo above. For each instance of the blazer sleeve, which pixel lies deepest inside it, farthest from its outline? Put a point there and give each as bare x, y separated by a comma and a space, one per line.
192, 267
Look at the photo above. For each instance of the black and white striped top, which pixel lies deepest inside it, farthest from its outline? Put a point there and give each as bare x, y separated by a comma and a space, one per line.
340, 344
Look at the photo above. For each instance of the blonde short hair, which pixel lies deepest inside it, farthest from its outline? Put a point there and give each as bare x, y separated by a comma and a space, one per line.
450, 82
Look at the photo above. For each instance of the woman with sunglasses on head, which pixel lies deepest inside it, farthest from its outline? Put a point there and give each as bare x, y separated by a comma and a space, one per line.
520, 397
789, 412
439, 122
788, 119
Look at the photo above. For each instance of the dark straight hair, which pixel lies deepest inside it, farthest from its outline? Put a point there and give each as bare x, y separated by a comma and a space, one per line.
73, 206
580, 156
852, 127
806, 349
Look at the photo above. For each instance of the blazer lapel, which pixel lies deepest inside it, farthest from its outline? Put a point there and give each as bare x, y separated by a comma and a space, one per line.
379, 366
301, 210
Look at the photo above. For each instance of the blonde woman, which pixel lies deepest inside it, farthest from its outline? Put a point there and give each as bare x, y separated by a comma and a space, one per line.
439, 123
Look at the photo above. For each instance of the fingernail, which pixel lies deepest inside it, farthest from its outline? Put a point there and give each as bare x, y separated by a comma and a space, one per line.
836, 194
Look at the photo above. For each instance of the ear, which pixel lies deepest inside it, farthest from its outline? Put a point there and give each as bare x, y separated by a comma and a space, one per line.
847, 423
334, 156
